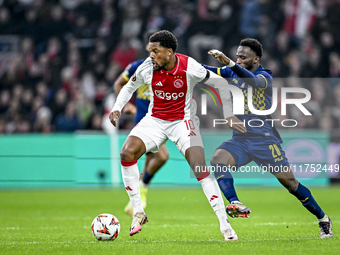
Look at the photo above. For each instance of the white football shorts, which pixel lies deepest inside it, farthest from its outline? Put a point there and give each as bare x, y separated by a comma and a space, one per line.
154, 132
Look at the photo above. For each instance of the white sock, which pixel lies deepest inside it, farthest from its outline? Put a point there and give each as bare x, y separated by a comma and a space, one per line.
324, 219
131, 182
213, 193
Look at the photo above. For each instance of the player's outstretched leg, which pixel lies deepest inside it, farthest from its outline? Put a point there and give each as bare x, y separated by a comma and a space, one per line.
195, 157
153, 163
130, 175
143, 192
226, 184
132, 150
302, 193
325, 226
212, 192
306, 198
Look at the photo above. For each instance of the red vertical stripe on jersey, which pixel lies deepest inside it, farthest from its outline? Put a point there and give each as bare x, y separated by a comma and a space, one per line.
170, 90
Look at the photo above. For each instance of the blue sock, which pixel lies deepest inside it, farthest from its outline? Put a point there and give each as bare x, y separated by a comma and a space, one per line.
305, 196
147, 177
226, 182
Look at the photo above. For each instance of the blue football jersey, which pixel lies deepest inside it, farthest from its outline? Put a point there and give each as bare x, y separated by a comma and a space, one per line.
143, 92
261, 100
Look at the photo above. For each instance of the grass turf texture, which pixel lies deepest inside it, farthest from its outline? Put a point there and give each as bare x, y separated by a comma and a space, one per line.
181, 221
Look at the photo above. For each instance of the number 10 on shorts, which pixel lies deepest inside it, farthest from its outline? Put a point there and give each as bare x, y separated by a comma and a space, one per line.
189, 124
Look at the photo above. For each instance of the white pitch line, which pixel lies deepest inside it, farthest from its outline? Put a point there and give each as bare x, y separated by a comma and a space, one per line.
221, 240
288, 223
153, 225
148, 226
166, 241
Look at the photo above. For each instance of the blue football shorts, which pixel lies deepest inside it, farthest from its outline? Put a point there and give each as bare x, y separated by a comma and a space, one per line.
264, 151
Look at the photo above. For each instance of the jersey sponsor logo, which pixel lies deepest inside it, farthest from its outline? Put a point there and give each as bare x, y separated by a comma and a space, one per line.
168, 96
159, 84
178, 83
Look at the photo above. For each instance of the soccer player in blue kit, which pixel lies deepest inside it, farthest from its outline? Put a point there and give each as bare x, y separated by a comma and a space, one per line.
258, 144
153, 161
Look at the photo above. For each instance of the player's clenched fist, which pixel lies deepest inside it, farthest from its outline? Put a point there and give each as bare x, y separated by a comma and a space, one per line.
113, 116
219, 55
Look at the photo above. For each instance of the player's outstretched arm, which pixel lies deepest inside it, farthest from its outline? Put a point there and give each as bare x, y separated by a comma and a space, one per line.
127, 91
129, 108
219, 55
123, 97
114, 116
253, 80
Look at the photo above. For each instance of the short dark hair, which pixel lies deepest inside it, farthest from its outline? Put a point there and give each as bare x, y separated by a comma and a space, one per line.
254, 45
165, 38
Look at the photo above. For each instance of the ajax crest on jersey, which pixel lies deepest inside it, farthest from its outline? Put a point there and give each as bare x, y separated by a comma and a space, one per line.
178, 83
105, 227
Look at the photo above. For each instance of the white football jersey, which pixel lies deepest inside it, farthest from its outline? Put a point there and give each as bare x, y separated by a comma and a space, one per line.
172, 91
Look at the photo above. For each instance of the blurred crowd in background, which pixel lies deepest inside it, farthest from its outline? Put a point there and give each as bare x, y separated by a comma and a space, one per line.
60, 58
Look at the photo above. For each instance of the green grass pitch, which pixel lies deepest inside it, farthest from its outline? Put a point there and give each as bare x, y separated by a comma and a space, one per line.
181, 221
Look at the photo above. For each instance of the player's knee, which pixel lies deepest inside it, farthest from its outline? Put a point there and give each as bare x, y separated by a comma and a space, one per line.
127, 154
222, 157
215, 160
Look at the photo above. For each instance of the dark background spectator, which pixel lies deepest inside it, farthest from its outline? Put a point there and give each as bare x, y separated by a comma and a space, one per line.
56, 51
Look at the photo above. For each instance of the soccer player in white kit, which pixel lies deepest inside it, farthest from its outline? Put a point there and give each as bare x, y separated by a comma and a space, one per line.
172, 115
